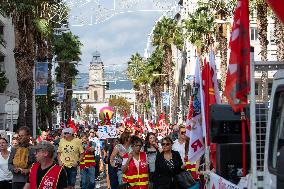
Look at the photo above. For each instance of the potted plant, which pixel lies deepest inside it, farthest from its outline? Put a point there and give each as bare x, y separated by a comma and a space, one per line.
3, 82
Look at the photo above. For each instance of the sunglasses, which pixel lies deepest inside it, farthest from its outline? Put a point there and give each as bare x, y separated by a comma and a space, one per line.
166, 144
182, 133
66, 133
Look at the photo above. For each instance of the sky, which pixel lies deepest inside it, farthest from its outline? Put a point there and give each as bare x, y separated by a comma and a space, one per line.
117, 31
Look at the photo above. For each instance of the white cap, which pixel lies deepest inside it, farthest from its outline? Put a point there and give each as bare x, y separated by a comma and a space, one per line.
68, 130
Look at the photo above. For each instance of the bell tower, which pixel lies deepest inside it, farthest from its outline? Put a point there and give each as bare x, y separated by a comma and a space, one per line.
96, 78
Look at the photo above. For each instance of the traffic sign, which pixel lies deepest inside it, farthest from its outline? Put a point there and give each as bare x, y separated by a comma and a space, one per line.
11, 107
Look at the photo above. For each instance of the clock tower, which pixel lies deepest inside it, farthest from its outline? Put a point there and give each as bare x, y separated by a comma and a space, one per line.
96, 79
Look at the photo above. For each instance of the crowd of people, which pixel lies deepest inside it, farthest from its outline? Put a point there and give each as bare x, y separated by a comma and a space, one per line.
55, 159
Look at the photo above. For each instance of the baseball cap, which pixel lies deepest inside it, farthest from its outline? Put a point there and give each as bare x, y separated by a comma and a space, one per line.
92, 131
44, 145
68, 130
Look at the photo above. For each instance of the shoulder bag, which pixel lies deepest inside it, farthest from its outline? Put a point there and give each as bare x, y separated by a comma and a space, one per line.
184, 180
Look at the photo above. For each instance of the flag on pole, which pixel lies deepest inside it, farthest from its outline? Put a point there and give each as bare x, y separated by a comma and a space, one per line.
214, 77
195, 122
278, 8
238, 75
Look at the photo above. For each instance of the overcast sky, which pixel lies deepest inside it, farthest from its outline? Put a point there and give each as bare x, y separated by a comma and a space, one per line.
117, 38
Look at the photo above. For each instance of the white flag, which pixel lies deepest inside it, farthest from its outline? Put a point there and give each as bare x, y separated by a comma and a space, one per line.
214, 78
195, 122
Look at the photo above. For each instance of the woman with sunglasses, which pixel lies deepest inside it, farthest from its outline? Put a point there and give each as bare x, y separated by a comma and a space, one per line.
135, 166
168, 164
151, 148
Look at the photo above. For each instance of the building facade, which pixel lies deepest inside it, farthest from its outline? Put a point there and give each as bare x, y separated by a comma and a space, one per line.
7, 65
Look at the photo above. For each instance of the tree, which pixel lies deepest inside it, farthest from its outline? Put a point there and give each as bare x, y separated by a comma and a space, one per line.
25, 15
279, 38
67, 48
262, 13
165, 34
120, 104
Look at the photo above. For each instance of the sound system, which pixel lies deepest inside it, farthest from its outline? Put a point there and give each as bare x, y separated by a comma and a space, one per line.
226, 125
229, 161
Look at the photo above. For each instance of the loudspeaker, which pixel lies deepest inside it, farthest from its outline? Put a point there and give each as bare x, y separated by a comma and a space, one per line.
226, 125
229, 161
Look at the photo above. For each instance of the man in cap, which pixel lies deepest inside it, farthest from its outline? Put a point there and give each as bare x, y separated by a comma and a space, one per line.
94, 139
70, 154
45, 173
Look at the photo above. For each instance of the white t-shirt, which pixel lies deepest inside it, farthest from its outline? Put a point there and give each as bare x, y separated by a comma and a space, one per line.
96, 141
5, 174
179, 148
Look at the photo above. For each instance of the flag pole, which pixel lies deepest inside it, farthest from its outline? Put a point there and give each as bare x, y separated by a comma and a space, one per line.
207, 161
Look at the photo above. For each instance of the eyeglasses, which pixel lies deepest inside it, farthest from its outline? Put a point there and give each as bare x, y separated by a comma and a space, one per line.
182, 133
66, 133
138, 146
166, 144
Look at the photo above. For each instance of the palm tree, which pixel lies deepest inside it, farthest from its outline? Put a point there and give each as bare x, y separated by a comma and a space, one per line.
67, 48
134, 71
262, 13
23, 15
165, 34
279, 38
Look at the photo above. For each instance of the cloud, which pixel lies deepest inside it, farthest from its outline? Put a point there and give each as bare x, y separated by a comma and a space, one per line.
116, 39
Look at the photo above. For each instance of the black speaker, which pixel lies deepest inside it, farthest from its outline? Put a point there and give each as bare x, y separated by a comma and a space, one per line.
229, 161
226, 125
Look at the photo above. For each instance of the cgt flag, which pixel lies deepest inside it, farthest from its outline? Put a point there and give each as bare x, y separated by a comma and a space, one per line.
195, 119
278, 8
238, 75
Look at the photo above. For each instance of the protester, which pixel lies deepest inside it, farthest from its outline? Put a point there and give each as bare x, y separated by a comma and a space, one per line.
94, 138
45, 173
119, 151
88, 163
168, 164
70, 154
135, 166
15, 142
21, 159
42, 137
112, 171
151, 148
5, 175
179, 144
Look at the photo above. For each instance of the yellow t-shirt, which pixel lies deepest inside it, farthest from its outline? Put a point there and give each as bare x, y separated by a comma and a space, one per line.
70, 151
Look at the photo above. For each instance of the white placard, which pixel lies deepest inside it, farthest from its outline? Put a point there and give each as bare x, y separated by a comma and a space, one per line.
217, 182
107, 131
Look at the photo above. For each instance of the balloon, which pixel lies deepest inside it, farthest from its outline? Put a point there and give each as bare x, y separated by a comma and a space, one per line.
108, 110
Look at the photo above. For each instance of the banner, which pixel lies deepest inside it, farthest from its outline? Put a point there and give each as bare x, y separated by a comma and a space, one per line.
41, 77
217, 182
166, 99
107, 131
59, 90
195, 121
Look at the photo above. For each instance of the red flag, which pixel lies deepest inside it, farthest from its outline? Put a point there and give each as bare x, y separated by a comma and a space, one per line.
238, 75
131, 121
140, 122
278, 8
107, 120
72, 125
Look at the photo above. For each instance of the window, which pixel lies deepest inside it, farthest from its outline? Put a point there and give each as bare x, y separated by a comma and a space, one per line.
269, 88
256, 88
277, 133
2, 58
253, 34
96, 95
